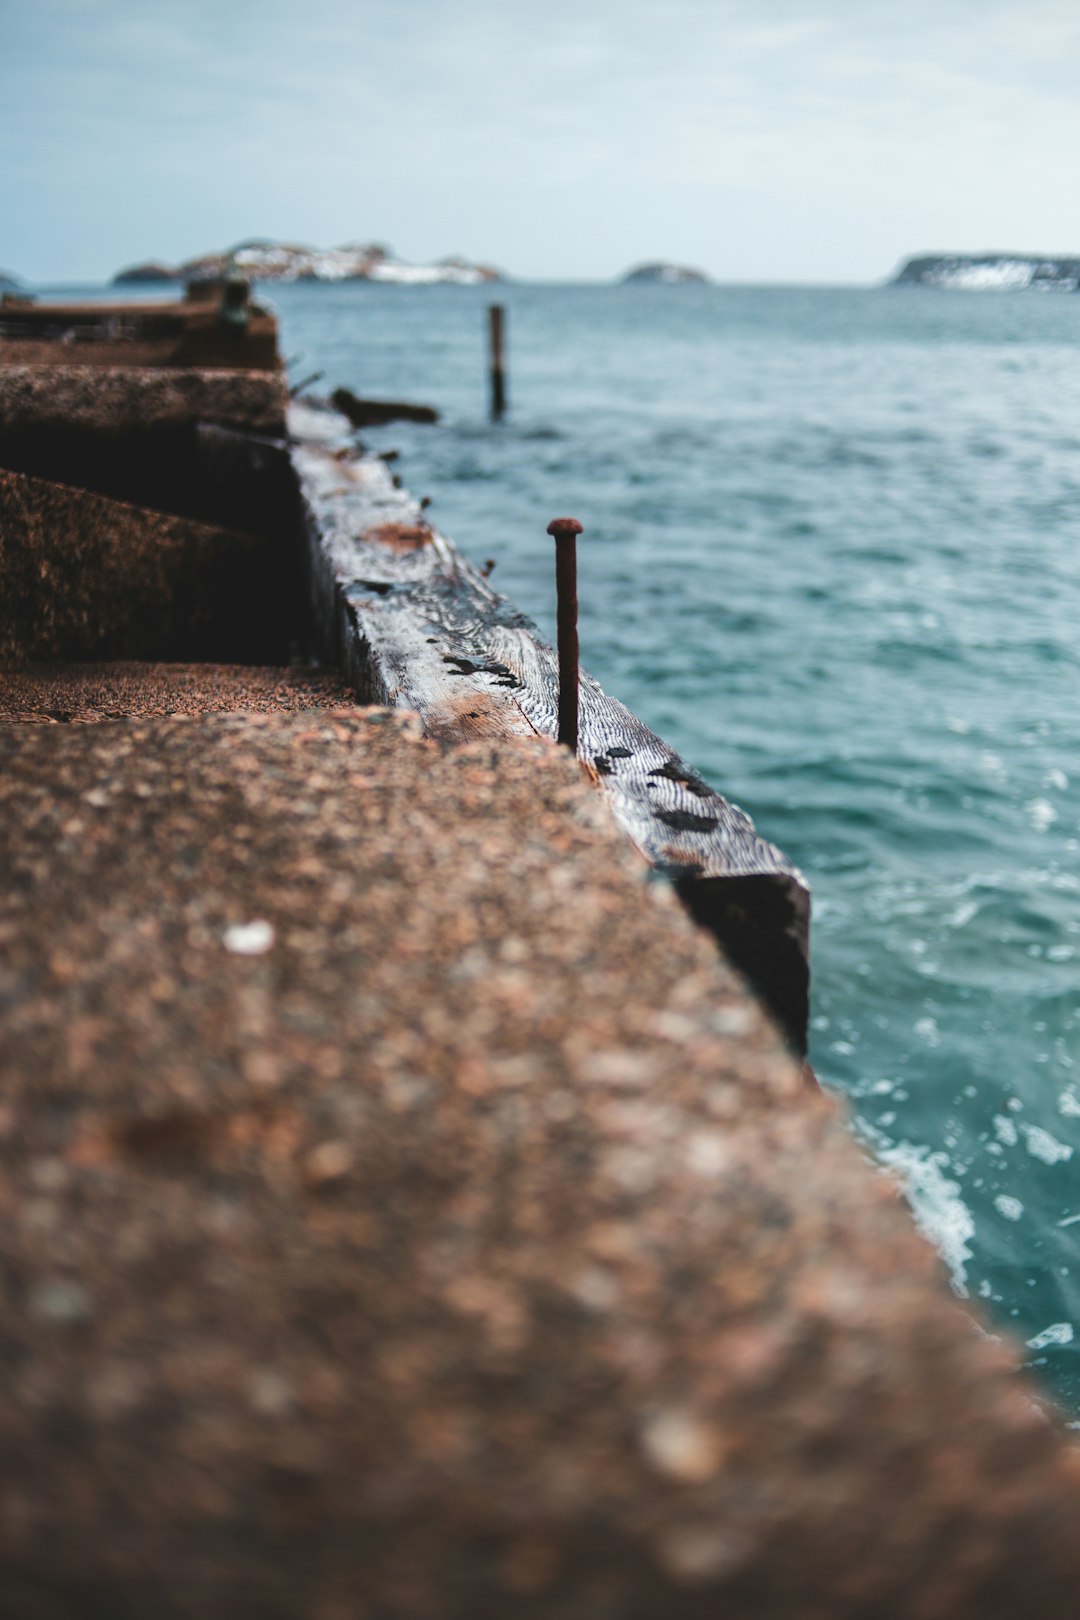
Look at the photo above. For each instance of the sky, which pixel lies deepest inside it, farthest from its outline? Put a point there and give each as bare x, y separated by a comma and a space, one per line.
759, 140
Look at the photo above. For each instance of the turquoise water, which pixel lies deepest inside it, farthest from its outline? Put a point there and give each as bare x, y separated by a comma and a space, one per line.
832, 554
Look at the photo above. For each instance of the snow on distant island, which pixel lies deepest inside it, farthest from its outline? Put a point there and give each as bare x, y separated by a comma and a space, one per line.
991, 272
264, 260
665, 273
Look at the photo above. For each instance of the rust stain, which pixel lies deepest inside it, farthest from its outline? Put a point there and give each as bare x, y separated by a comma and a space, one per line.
681, 857
473, 714
399, 536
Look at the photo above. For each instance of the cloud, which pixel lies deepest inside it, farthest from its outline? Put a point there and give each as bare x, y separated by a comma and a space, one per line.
701, 121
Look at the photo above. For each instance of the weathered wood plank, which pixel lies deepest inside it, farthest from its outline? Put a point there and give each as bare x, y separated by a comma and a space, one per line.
414, 625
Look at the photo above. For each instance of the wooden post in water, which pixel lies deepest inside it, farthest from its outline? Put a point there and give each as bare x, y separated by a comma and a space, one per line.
496, 315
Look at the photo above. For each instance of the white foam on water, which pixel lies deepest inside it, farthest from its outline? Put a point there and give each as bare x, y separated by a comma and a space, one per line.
1010, 1208
964, 913
1041, 1145
1005, 1130
1042, 813
940, 1213
1056, 1334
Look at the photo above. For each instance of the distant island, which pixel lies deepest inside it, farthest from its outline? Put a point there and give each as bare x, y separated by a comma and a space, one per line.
990, 272
664, 273
265, 260
8, 282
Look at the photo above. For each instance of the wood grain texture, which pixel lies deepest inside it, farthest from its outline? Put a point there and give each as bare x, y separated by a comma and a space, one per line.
413, 625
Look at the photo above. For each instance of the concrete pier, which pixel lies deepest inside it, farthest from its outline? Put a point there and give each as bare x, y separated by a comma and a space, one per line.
406, 1210
406, 1213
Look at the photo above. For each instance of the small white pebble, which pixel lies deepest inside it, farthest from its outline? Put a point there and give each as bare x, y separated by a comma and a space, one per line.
732, 1021
698, 1553
269, 1392
681, 1446
248, 939
329, 1161
118, 1388
620, 1066
41, 1215
61, 1302
707, 1153
595, 1288
49, 1175
672, 1026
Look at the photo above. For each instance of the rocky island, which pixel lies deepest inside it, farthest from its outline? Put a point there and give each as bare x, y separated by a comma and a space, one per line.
262, 259
666, 273
990, 272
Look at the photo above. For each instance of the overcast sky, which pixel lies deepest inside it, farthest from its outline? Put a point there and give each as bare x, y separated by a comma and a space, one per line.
762, 140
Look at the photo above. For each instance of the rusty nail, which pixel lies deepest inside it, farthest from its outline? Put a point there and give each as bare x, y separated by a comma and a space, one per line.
565, 531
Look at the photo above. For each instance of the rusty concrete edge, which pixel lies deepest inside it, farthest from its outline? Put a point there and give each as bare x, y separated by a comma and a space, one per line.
758, 912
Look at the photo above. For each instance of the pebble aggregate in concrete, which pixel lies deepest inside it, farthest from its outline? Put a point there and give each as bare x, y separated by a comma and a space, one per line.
114, 400
83, 576
83, 694
471, 1248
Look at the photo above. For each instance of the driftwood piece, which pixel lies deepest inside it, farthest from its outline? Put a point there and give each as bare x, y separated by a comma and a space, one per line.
415, 626
377, 412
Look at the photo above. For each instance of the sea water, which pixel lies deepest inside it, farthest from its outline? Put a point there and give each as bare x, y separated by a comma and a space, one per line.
832, 555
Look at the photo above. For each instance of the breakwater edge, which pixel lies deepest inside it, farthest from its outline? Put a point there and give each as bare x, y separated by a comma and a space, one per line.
362, 1040
832, 558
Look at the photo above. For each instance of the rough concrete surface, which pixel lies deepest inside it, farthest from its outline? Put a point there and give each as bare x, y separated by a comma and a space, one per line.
133, 399
137, 335
83, 694
83, 576
406, 1214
